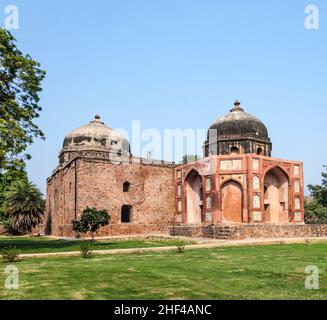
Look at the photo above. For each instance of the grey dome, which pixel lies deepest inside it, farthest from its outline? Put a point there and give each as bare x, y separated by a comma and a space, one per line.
238, 123
96, 136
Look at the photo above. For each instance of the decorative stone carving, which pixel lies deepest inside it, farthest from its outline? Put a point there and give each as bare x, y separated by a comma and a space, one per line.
231, 164
208, 202
255, 164
208, 184
179, 190
298, 216
297, 204
296, 186
257, 216
179, 206
256, 202
296, 170
256, 183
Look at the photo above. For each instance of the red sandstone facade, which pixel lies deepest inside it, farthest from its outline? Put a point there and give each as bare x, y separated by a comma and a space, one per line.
237, 183
239, 189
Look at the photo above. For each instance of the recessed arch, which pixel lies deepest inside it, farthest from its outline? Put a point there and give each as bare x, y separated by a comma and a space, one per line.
234, 150
259, 151
280, 168
230, 179
197, 171
276, 187
126, 213
194, 197
231, 201
126, 186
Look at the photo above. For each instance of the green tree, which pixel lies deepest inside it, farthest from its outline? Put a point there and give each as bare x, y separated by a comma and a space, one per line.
20, 86
91, 220
316, 210
319, 192
24, 205
189, 158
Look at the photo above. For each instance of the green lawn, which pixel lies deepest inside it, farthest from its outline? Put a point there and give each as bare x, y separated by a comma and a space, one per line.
45, 244
252, 272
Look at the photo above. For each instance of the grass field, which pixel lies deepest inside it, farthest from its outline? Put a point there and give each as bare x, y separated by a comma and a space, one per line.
252, 272
45, 244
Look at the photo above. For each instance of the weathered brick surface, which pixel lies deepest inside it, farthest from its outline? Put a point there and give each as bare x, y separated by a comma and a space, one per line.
239, 232
99, 183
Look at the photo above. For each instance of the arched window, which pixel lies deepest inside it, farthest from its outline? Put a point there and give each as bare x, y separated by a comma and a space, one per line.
234, 150
126, 185
208, 202
126, 213
296, 186
256, 183
259, 151
256, 202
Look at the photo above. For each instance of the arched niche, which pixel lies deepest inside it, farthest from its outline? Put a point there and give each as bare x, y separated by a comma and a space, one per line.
231, 202
276, 185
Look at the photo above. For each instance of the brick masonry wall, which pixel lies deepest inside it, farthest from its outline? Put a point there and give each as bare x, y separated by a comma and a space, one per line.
99, 184
238, 232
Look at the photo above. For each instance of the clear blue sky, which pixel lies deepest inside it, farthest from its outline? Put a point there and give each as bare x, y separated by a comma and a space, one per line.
178, 64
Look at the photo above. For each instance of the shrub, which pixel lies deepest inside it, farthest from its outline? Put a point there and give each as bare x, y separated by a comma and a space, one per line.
91, 220
86, 248
9, 254
181, 246
315, 213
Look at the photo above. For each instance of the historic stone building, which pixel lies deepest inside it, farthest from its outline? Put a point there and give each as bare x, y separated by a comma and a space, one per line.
237, 183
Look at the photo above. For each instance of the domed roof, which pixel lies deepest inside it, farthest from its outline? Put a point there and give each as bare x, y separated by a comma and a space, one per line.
96, 136
239, 123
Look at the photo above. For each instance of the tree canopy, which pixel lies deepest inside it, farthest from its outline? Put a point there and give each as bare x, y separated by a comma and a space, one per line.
316, 210
91, 220
24, 205
20, 86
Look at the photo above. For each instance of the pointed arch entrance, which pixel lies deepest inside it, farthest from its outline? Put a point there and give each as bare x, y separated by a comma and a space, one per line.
276, 200
231, 202
194, 197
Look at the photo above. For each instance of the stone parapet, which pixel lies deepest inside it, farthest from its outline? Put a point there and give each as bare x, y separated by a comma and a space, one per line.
238, 232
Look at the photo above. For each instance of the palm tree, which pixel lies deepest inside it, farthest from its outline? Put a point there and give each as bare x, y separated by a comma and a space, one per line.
24, 205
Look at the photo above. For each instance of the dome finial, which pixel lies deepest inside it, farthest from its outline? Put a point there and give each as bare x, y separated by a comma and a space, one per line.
237, 106
97, 120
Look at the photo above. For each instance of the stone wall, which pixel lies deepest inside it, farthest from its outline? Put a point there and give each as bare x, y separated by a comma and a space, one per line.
98, 183
238, 232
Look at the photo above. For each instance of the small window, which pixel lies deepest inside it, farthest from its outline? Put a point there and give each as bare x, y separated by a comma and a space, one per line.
234, 150
259, 151
126, 213
126, 185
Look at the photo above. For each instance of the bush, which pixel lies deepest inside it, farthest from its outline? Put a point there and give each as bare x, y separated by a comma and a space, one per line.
91, 220
9, 254
315, 213
86, 248
181, 246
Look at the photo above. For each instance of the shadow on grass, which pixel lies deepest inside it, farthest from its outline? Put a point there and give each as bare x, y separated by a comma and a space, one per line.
51, 245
